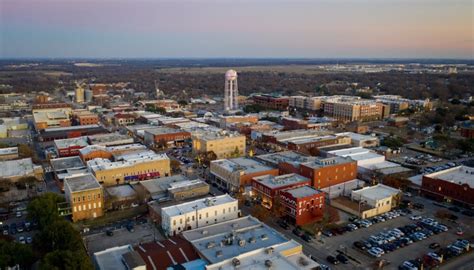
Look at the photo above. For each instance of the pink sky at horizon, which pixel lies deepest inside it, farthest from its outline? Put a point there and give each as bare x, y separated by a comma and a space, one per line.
145, 28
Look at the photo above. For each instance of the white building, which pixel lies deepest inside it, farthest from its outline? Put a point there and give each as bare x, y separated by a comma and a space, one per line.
198, 213
361, 140
379, 198
231, 91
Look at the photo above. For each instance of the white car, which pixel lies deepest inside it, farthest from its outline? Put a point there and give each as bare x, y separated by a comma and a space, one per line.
435, 256
21, 240
415, 217
409, 265
374, 253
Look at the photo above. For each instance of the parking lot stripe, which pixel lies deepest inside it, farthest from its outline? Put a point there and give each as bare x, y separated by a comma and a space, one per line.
171, 257
172, 241
152, 263
141, 248
184, 255
160, 244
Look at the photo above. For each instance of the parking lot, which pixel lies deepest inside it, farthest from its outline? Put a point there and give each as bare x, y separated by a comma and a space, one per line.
101, 240
331, 246
19, 228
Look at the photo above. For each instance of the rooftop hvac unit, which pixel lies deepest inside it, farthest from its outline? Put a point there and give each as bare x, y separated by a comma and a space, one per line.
219, 253
235, 262
303, 261
269, 250
210, 245
264, 237
205, 232
252, 240
268, 263
242, 242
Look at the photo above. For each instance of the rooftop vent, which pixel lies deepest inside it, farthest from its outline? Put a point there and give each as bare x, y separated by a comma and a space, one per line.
235, 225
303, 261
210, 244
235, 262
252, 240
264, 237
269, 250
268, 263
219, 253
242, 242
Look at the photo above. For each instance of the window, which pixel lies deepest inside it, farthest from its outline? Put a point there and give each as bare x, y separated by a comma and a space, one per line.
192, 218
95, 205
223, 211
98, 195
180, 221
174, 222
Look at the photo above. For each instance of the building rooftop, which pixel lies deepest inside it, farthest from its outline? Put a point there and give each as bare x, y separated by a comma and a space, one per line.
81, 182
162, 130
159, 185
245, 165
458, 175
273, 182
71, 128
264, 259
291, 157
195, 205
111, 259
357, 136
227, 240
303, 192
19, 167
110, 139
122, 191
72, 142
9, 151
376, 192
210, 135
59, 164
125, 160
320, 162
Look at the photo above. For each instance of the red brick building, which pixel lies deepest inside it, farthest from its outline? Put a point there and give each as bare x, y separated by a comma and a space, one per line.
88, 119
302, 205
123, 119
169, 136
268, 187
451, 185
279, 103
326, 172
70, 147
467, 130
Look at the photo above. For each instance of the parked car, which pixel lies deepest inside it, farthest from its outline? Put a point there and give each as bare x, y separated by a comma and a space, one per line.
306, 237
109, 232
327, 233
332, 260
434, 245
342, 258
298, 232
359, 245
29, 240
283, 224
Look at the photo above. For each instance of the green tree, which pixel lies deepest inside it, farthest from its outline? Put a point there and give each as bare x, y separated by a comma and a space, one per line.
66, 259
182, 102
58, 235
12, 254
44, 208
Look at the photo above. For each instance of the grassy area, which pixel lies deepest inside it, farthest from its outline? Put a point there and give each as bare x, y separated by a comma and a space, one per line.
112, 217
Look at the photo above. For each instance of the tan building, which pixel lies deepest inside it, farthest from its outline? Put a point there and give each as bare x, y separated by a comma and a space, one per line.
131, 167
85, 195
352, 109
51, 115
225, 121
223, 144
312, 104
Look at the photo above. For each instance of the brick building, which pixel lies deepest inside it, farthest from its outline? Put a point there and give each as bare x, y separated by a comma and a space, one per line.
124, 119
326, 172
166, 136
70, 147
268, 187
237, 173
302, 205
451, 185
272, 102
87, 119
467, 130
85, 196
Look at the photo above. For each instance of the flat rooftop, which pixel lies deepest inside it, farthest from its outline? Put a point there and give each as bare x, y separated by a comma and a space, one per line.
111, 259
195, 205
59, 164
162, 184
162, 130
125, 160
211, 135
81, 182
357, 136
246, 165
303, 192
320, 162
376, 192
72, 142
19, 167
458, 175
229, 239
291, 157
122, 191
273, 182
110, 139
72, 128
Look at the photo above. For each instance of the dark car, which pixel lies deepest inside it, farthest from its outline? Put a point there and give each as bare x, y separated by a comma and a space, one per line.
327, 233
434, 245
468, 213
129, 227
359, 245
454, 209
418, 206
306, 237
297, 232
283, 224
109, 232
342, 258
332, 260
13, 229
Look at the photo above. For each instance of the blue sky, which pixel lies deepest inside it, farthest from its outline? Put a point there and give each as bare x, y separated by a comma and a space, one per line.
260, 28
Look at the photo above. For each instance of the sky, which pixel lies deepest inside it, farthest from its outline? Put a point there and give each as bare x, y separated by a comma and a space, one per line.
237, 29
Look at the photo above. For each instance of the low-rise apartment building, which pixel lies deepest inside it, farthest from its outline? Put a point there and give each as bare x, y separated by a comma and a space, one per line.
349, 108
85, 196
272, 102
199, 213
130, 168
